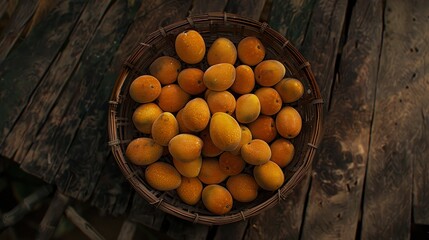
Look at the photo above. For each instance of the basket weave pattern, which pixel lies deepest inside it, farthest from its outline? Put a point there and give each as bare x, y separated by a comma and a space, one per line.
211, 26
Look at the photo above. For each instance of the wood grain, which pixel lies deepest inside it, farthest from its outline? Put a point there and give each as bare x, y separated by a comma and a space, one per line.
44, 7
201, 6
246, 8
151, 16
48, 153
113, 193
21, 73
321, 42
287, 216
21, 17
398, 145
53, 83
421, 167
418, 118
334, 202
291, 19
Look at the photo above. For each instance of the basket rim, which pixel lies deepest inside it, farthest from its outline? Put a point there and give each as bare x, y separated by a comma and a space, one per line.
281, 193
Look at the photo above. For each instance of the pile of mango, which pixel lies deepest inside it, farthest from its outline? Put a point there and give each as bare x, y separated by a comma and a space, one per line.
223, 133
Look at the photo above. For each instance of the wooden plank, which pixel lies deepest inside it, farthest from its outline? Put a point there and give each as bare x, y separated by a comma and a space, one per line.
113, 193
88, 150
421, 167
44, 7
49, 90
200, 6
149, 18
321, 42
419, 146
20, 74
291, 19
398, 138
56, 135
246, 8
333, 208
21, 16
6, 12
287, 214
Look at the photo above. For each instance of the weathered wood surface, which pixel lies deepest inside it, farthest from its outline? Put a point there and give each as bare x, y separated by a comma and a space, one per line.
324, 32
282, 221
51, 87
70, 132
399, 140
53, 132
200, 7
246, 8
415, 124
44, 43
112, 193
334, 201
369, 59
21, 17
291, 19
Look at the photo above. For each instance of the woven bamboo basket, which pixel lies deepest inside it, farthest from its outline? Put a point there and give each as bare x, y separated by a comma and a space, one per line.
211, 26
